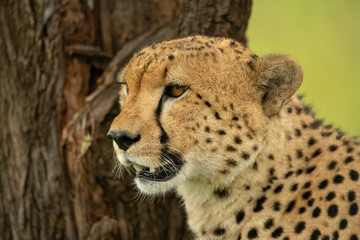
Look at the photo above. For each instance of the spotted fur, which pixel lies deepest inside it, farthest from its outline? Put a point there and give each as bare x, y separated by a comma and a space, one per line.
252, 161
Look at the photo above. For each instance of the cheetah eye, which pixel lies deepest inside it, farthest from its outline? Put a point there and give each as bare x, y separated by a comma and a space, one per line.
175, 90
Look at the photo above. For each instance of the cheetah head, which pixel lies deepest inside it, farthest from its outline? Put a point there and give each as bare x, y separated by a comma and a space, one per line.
197, 109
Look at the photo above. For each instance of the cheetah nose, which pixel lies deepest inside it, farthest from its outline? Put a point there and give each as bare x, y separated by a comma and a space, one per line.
123, 139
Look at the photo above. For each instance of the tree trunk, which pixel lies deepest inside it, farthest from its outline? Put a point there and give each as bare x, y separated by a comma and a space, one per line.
57, 100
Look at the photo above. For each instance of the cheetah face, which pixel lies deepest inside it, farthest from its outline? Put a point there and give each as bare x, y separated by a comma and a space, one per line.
195, 110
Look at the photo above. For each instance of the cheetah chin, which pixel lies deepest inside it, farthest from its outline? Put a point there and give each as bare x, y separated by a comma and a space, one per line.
154, 180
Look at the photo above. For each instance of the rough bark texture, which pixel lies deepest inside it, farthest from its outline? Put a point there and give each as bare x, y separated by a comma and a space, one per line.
57, 100
227, 18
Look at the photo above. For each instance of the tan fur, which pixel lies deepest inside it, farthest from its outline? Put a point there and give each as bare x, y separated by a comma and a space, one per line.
230, 182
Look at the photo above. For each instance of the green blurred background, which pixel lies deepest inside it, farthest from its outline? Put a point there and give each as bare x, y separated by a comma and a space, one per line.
324, 36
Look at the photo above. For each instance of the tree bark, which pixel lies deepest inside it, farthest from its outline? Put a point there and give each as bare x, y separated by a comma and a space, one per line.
57, 100
227, 18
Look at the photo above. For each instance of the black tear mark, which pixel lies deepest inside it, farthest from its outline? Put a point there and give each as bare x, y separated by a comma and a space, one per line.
164, 138
166, 154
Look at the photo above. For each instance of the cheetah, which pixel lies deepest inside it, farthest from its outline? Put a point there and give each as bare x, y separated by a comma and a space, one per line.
207, 118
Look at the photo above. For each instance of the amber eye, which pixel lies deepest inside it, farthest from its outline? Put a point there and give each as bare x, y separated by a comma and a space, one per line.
175, 91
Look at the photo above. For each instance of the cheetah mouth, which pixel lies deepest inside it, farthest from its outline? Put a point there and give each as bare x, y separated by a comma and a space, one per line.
162, 173
173, 163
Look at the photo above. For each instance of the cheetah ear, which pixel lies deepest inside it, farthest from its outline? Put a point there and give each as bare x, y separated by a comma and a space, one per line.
279, 76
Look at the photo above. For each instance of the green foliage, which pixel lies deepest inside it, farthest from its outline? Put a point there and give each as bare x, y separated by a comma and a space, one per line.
324, 36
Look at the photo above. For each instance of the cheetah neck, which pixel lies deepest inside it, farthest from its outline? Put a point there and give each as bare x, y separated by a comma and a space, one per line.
275, 162
273, 154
